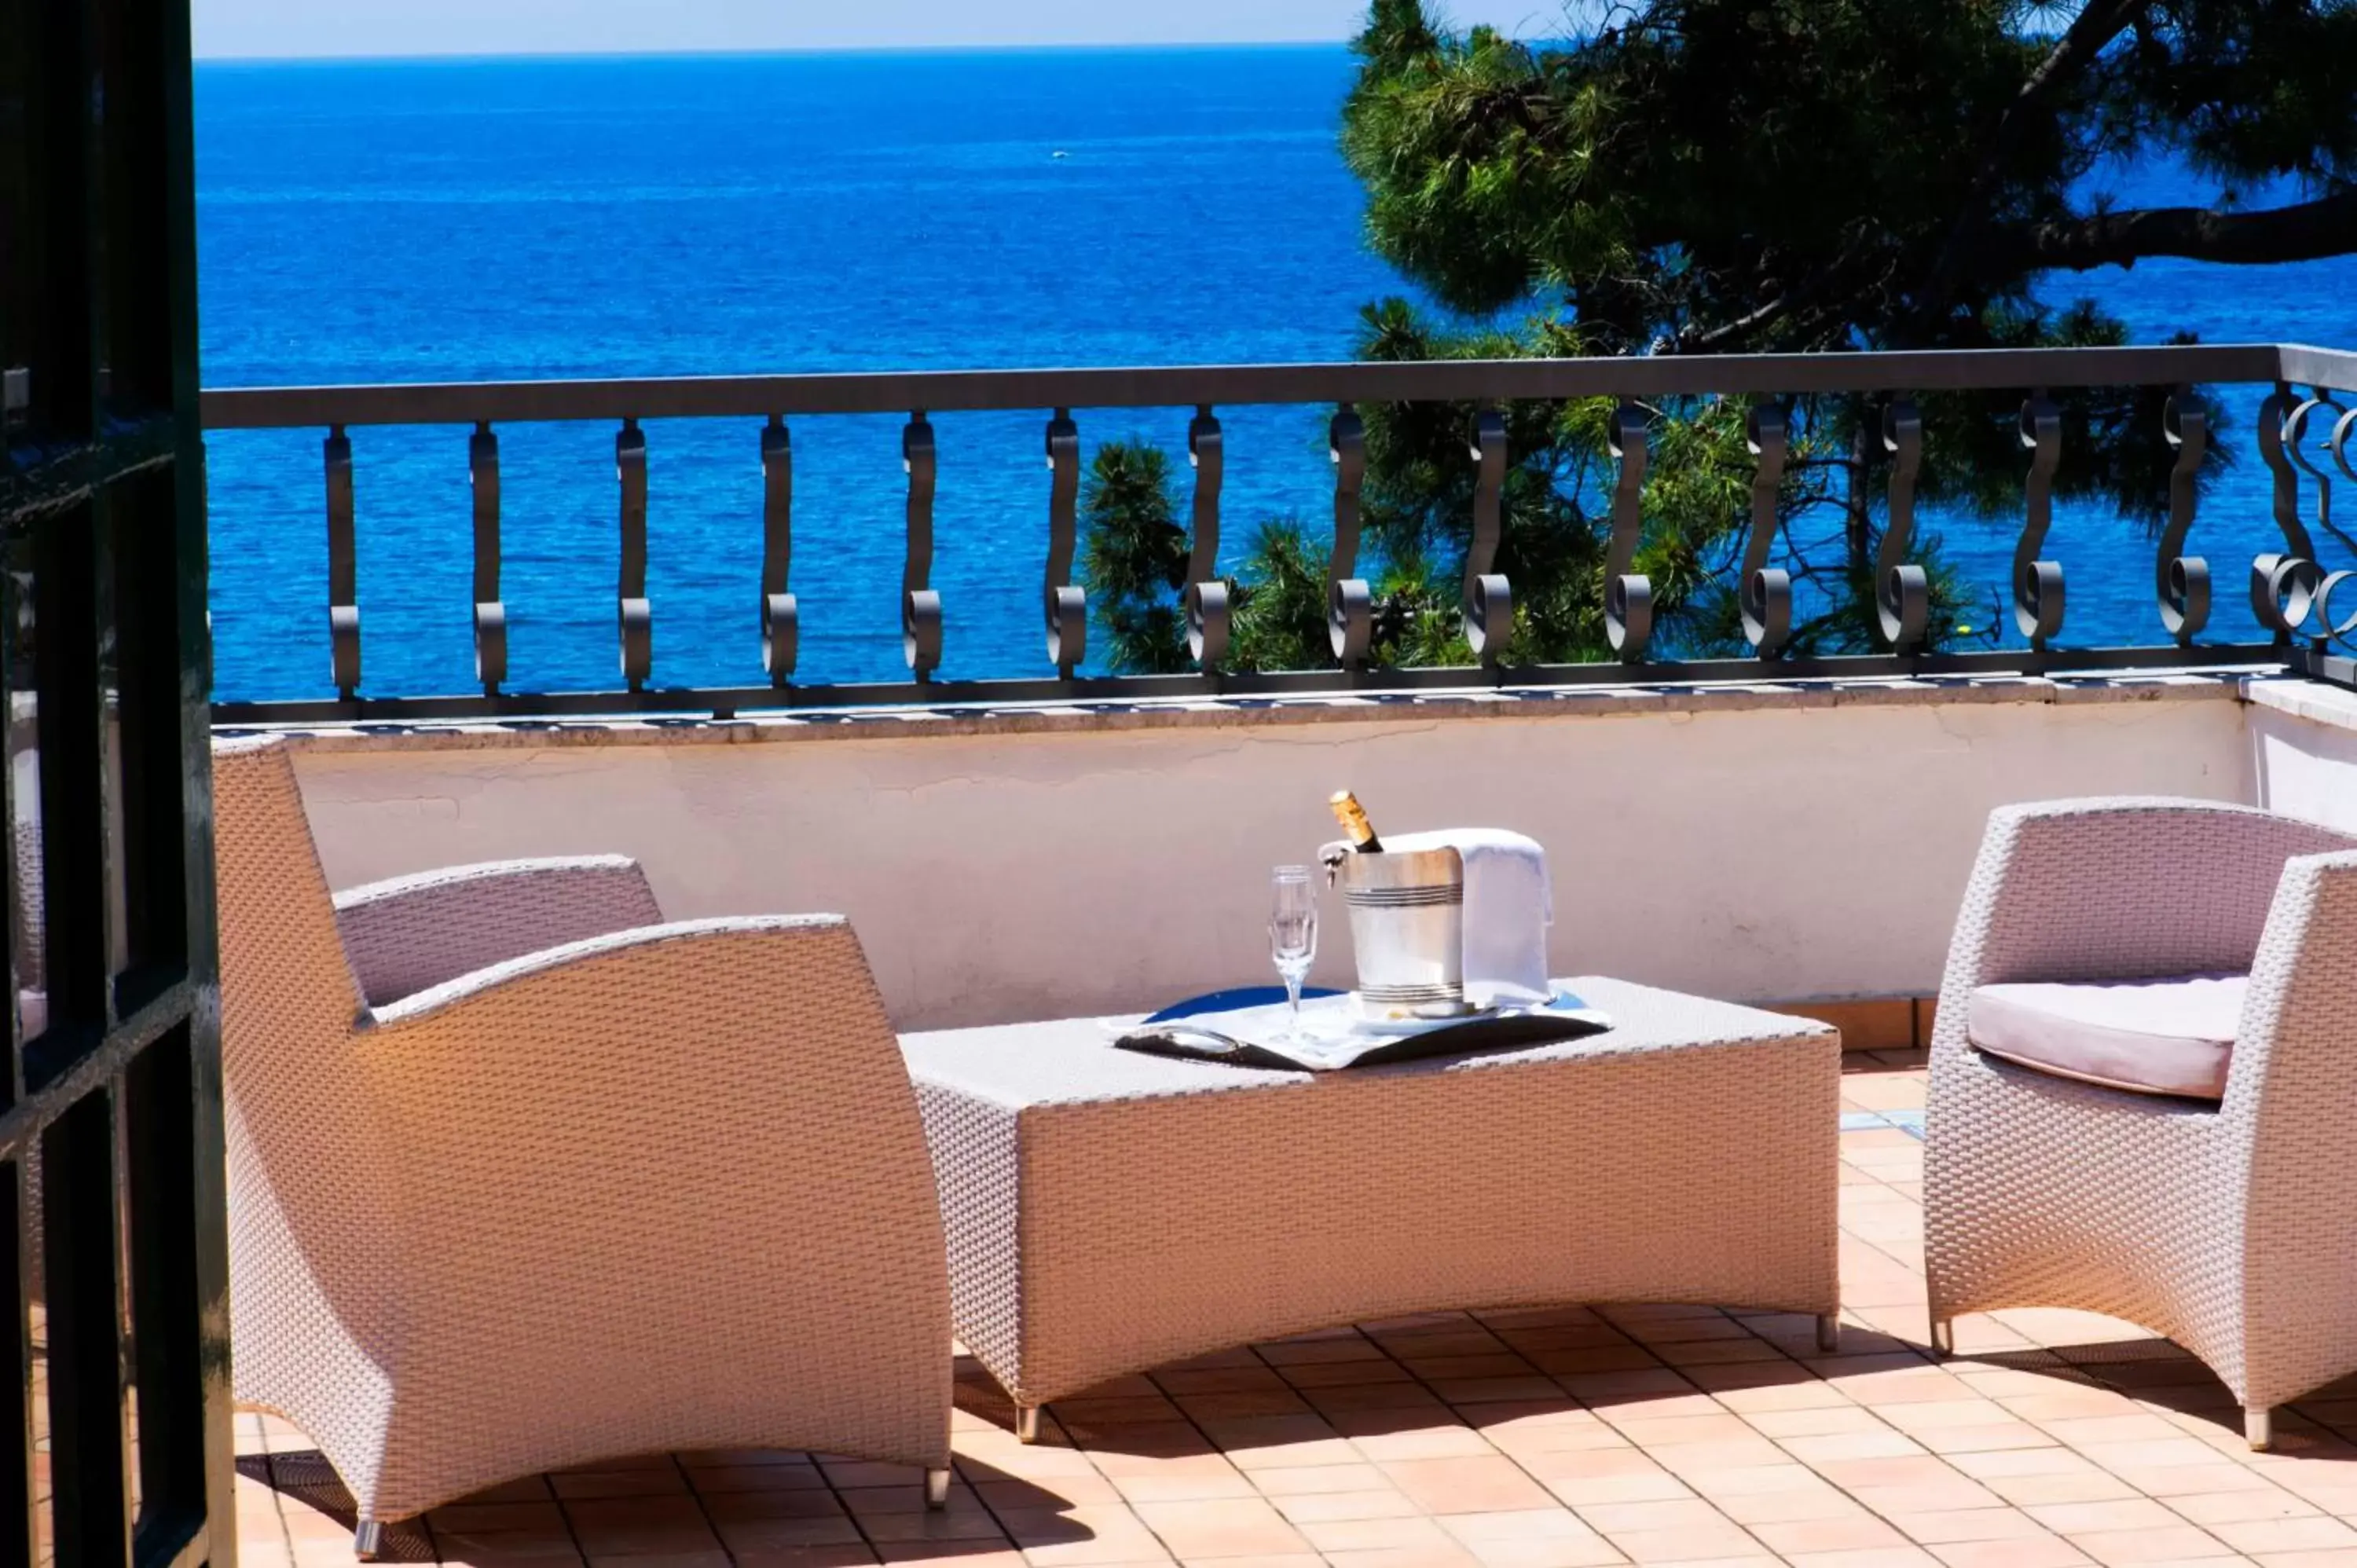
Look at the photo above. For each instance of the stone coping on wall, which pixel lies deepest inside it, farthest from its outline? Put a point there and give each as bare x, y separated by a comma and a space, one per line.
2315, 700
1210, 711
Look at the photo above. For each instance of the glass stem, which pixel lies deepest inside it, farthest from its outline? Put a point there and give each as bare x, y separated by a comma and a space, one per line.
1293, 1003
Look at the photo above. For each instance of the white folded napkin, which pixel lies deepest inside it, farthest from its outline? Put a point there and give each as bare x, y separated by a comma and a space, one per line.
1508, 908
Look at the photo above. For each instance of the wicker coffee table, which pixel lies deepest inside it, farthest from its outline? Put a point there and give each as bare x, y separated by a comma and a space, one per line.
1109, 1212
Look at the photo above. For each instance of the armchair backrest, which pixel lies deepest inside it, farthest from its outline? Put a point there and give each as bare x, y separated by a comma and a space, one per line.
310, 1236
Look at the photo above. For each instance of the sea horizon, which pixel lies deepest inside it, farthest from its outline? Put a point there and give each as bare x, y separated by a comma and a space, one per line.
759, 212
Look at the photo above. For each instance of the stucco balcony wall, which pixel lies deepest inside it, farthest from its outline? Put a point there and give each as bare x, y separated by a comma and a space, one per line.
1767, 844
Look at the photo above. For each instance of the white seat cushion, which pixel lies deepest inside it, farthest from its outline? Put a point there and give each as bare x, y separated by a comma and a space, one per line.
2154, 1036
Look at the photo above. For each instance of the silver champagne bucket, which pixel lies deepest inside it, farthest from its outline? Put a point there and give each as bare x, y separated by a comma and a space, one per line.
1408, 925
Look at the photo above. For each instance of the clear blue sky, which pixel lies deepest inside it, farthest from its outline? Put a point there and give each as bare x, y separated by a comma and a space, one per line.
259, 28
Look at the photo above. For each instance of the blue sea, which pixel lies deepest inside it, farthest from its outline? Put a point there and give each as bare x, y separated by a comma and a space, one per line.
444, 221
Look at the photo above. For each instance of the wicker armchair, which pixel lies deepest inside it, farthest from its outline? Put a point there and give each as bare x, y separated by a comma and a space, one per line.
2228, 1225
621, 1191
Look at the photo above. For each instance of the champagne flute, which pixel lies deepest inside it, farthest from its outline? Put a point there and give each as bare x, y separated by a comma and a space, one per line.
1293, 935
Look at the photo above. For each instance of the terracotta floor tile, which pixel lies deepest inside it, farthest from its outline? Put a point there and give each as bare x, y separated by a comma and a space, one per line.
1319, 1507
1087, 1535
1280, 1560
1902, 1556
1449, 1555
788, 1503
1371, 1534
2028, 1491
2172, 1481
1836, 1447
1947, 1527
1982, 1439
751, 1535
1054, 1492
1568, 1552
471, 1517
1816, 1420
961, 1521
1486, 1484
503, 1547
2177, 1543
756, 1479
2254, 1537
1435, 1441
1648, 1431
1684, 1513
2118, 1514
2048, 1552
1692, 1459
1190, 1485
1928, 1496
1228, 1527
2241, 1506
1694, 1546
1858, 1532
1299, 1480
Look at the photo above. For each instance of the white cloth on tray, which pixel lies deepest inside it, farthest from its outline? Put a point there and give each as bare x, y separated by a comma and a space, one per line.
1508, 908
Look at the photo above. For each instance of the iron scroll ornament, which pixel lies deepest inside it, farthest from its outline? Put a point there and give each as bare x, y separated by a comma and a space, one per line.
490, 614
1488, 605
2284, 584
1067, 606
2332, 625
1627, 595
2038, 583
2295, 436
1207, 592
780, 617
921, 607
1350, 606
2181, 582
1766, 591
1903, 591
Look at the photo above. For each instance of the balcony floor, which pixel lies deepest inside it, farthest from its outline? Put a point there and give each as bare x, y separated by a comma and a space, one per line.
1511, 1440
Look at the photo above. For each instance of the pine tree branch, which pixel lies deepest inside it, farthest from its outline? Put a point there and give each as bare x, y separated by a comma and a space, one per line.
2307, 231
2087, 35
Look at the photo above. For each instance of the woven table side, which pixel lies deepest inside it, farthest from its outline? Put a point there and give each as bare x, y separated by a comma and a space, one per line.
412, 932
2291, 1097
1159, 1229
974, 1161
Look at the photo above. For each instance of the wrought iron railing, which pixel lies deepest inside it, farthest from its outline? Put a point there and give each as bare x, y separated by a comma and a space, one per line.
2293, 598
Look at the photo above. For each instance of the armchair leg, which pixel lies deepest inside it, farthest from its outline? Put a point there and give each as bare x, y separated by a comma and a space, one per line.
937, 1488
1944, 1338
367, 1540
2258, 1428
1026, 1423
1829, 1332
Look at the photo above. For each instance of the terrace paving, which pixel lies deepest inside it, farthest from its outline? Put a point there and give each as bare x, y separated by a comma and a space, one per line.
1519, 1439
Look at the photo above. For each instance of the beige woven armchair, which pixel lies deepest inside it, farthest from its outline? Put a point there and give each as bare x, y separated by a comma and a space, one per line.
2227, 1223
624, 1190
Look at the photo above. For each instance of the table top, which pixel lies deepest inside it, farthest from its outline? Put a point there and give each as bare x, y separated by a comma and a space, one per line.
1074, 1061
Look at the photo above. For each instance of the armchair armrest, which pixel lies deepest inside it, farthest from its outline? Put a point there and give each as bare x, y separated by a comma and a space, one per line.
2119, 889
411, 933
691, 1150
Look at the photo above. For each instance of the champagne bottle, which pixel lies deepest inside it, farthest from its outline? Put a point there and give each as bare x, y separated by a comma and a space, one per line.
1353, 818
